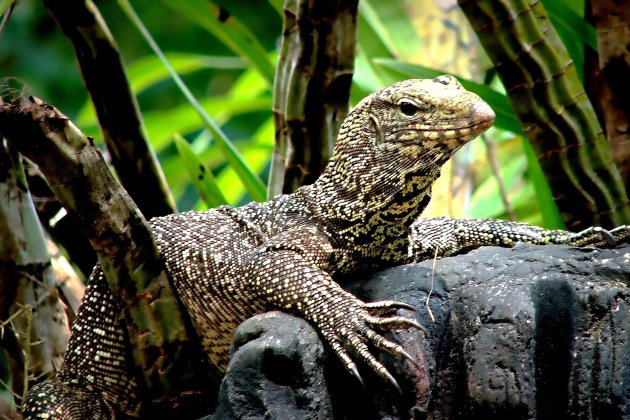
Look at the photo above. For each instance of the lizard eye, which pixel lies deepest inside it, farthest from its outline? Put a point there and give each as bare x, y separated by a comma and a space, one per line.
408, 108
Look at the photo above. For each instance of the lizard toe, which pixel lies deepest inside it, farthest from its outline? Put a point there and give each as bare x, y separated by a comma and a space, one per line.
361, 349
621, 234
342, 354
396, 323
592, 236
391, 347
386, 307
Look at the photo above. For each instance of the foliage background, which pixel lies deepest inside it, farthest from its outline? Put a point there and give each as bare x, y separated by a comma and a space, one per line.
432, 34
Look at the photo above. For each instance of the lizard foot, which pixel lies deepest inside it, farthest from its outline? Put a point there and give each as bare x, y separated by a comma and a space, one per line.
353, 327
597, 236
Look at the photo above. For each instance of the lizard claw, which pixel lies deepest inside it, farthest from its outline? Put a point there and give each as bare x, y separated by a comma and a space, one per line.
385, 307
396, 323
355, 373
607, 236
393, 381
349, 327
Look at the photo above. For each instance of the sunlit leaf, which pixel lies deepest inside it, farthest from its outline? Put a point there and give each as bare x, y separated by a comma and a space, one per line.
229, 30
486, 200
149, 70
201, 177
548, 208
4, 6
390, 22
254, 185
249, 85
258, 154
162, 124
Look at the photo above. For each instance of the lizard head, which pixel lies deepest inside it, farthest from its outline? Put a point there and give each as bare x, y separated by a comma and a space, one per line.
409, 127
391, 147
427, 119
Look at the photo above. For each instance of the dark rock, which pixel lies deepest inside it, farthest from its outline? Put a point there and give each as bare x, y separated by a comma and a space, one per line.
525, 332
276, 371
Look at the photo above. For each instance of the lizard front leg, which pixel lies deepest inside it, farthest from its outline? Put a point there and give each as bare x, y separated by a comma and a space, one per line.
290, 273
443, 236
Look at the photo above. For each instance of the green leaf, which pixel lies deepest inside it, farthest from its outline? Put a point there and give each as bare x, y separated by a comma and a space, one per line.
573, 30
569, 22
486, 200
161, 125
4, 6
497, 101
249, 85
390, 22
384, 30
278, 6
149, 70
258, 153
368, 38
254, 185
229, 30
202, 178
367, 77
548, 208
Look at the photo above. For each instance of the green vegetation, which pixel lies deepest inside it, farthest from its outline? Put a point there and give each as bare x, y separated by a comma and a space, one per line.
227, 59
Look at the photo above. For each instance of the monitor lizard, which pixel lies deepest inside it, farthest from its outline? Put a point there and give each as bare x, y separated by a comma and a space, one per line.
228, 264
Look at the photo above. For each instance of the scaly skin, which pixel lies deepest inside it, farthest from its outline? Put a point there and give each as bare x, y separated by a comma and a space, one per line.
228, 264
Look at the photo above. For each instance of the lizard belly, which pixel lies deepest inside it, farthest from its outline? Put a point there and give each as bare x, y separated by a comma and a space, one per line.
205, 260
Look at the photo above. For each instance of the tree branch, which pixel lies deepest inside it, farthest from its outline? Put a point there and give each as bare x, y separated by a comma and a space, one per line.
162, 348
115, 105
312, 88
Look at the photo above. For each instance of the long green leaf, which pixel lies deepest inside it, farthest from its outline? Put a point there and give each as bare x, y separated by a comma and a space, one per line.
161, 125
4, 6
552, 218
572, 24
149, 70
370, 42
390, 21
278, 6
229, 30
574, 31
367, 76
254, 185
202, 178
258, 153
497, 101
486, 199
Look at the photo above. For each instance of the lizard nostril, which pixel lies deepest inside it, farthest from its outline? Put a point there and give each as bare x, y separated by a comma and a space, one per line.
443, 80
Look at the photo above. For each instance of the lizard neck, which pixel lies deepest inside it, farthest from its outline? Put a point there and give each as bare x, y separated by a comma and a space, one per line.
369, 195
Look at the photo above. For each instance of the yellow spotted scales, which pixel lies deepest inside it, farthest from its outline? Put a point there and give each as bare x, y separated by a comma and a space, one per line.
228, 264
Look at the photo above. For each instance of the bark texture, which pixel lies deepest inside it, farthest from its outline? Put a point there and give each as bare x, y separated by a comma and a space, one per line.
116, 107
312, 88
163, 350
554, 111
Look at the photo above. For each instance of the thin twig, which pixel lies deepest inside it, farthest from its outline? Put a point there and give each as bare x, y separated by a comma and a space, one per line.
426, 303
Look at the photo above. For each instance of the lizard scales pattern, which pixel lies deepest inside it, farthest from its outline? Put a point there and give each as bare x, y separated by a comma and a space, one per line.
228, 264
